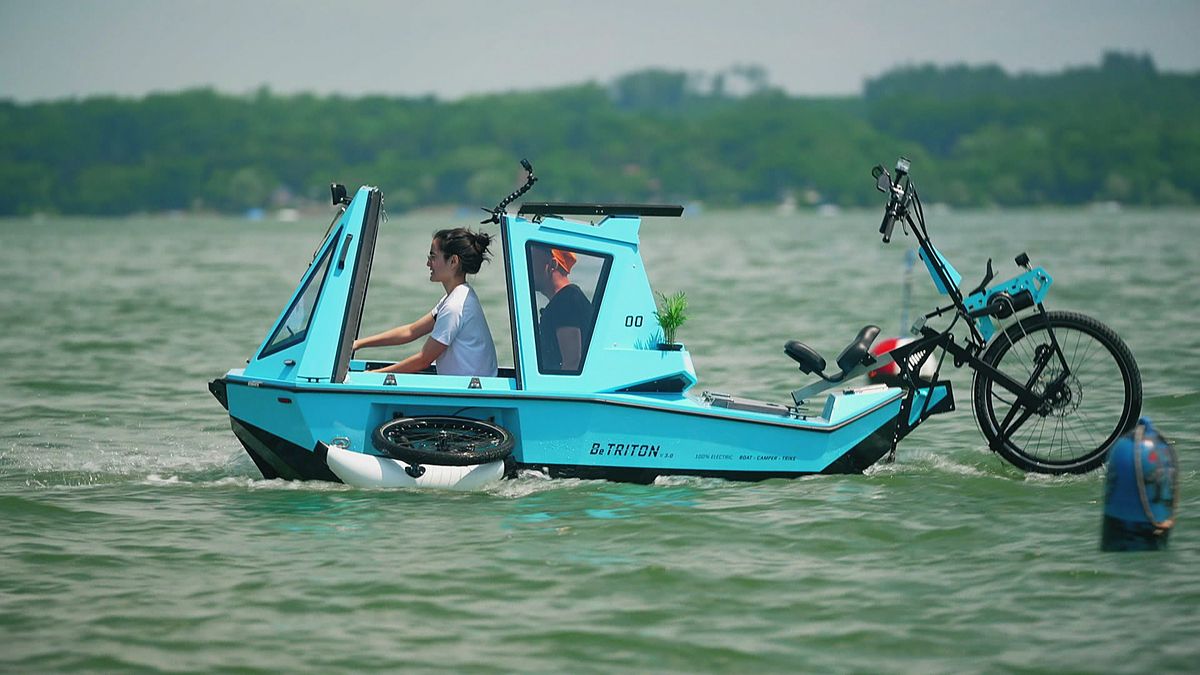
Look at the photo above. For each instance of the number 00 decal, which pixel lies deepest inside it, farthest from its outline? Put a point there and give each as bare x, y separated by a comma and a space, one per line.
632, 321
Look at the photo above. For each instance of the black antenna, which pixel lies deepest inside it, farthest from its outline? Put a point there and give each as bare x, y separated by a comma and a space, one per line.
499, 210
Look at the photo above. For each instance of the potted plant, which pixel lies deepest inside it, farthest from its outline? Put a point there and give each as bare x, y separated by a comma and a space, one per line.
671, 315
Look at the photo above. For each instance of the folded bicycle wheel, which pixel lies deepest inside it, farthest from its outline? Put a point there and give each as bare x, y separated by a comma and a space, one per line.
449, 441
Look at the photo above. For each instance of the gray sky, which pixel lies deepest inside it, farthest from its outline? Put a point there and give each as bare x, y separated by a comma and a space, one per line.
52, 49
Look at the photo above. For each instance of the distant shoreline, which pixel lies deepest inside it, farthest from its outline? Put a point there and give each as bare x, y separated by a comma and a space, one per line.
1120, 132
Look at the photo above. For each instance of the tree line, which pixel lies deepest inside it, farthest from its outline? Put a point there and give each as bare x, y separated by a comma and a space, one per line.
1120, 130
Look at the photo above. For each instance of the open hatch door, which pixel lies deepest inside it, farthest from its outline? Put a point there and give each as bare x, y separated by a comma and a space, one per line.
311, 340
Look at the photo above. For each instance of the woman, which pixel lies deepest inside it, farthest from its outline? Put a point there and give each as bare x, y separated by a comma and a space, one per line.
459, 339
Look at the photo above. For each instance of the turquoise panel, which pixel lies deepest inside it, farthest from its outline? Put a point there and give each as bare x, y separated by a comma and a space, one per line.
313, 358
1037, 281
955, 277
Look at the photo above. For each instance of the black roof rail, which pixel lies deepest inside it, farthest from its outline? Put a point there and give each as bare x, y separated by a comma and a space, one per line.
576, 209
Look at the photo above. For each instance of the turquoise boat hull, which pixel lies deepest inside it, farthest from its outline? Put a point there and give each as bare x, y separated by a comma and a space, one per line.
627, 413
624, 437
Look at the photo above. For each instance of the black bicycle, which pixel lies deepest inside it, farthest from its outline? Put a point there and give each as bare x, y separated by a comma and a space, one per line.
1052, 390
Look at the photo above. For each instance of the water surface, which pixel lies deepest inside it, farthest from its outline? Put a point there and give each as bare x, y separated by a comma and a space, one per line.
137, 535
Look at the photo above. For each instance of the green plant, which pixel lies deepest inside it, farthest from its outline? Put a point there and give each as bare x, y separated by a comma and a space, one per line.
672, 314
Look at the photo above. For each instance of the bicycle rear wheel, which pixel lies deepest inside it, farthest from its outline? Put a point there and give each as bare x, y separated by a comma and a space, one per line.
1090, 383
446, 441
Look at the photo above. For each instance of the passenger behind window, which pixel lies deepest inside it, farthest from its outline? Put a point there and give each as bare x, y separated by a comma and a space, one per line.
565, 325
460, 341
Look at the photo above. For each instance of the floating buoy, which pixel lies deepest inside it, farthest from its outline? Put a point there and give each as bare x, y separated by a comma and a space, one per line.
1140, 491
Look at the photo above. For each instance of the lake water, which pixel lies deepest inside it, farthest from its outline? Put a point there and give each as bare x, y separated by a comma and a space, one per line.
137, 535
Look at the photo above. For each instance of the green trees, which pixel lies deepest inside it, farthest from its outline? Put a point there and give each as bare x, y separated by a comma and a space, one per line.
1118, 131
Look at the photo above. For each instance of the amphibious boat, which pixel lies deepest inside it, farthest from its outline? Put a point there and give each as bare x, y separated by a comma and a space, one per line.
305, 408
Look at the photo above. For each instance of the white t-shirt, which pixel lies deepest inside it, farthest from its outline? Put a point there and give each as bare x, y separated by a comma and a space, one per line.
460, 325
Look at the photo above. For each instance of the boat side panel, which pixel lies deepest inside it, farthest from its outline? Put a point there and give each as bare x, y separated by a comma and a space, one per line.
610, 436
304, 417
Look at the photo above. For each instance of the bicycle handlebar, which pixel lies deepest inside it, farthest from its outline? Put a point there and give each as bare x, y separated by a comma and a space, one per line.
897, 197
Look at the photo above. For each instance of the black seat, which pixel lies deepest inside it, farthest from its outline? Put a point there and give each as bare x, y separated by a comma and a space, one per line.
855, 353
858, 350
810, 361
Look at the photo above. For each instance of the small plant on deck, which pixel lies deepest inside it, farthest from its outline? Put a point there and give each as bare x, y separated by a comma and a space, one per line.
672, 314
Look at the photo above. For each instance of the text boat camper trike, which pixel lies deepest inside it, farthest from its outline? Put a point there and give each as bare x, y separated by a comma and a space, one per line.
1051, 390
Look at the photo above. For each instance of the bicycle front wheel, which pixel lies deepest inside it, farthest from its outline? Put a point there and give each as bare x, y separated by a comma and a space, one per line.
1089, 384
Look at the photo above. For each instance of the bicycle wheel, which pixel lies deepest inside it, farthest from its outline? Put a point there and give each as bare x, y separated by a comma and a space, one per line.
448, 441
1091, 387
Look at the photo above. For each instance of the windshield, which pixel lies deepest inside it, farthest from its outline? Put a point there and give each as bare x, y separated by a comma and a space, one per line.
294, 327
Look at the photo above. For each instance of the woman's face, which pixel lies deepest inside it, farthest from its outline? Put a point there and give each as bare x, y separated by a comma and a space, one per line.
440, 269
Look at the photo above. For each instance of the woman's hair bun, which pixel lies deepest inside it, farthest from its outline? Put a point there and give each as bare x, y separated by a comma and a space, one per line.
470, 247
482, 240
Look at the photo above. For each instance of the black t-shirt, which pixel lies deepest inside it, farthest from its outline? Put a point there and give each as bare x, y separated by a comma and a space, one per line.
569, 307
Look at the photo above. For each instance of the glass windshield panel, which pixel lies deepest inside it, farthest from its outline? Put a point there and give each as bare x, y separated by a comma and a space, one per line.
566, 287
294, 327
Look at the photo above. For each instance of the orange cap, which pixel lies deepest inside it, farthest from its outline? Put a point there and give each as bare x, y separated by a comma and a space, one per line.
565, 259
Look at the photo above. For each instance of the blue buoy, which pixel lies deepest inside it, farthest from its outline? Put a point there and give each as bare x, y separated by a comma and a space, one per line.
1140, 491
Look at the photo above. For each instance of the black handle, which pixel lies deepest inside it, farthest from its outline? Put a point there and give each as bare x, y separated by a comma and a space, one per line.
889, 221
345, 249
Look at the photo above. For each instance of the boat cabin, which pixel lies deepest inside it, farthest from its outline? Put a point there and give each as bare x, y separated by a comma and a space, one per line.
310, 343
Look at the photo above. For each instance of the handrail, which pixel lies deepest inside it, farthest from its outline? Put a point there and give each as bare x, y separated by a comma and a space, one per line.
585, 209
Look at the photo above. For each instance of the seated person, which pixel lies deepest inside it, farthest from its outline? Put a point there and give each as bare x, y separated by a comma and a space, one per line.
460, 341
565, 325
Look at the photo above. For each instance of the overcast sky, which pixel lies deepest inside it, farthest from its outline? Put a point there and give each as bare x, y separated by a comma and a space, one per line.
51, 49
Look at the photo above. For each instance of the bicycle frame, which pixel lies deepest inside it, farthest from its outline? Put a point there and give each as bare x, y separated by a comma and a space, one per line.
977, 309
912, 356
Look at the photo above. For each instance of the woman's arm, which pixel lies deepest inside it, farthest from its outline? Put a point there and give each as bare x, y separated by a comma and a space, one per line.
417, 362
400, 335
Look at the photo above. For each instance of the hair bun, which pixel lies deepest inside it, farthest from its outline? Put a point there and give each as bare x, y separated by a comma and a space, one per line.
482, 240
470, 247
